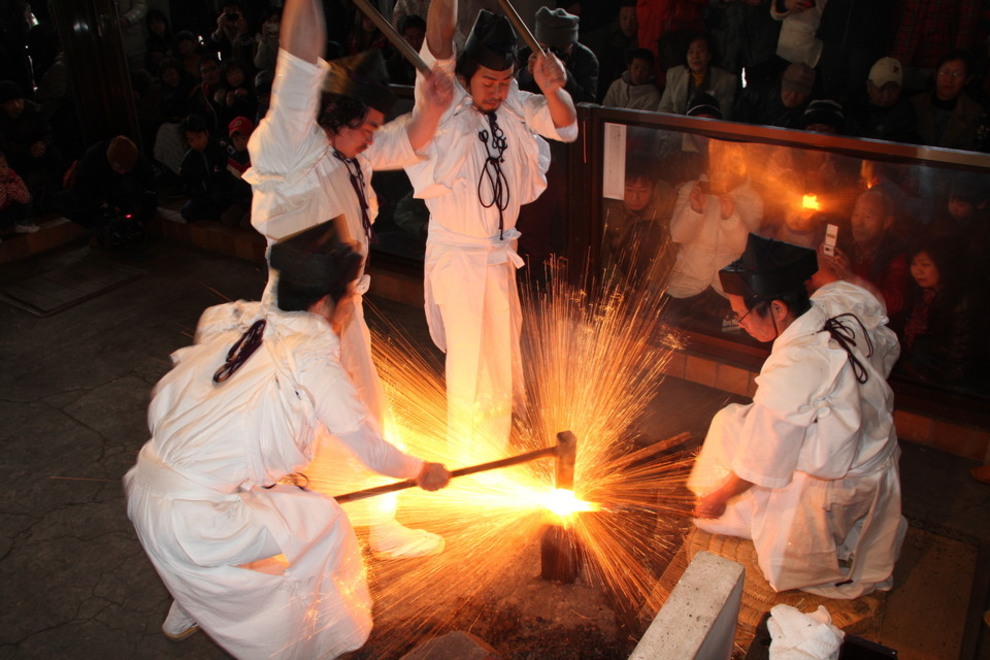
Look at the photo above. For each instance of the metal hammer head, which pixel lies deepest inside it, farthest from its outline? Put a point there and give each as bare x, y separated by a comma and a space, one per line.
566, 455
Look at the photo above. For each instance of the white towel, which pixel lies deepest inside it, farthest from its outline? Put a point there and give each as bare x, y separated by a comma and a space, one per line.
798, 636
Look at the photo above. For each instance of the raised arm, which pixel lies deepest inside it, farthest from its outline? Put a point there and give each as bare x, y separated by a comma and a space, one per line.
304, 30
550, 76
441, 22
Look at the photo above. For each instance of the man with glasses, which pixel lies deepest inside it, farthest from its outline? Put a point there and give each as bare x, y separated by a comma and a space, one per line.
808, 470
947, 115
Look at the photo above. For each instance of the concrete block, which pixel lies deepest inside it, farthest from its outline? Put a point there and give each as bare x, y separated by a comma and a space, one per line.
457, 645
698, 621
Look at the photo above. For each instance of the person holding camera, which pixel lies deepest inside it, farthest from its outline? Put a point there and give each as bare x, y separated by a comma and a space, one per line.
112, 191
233, 37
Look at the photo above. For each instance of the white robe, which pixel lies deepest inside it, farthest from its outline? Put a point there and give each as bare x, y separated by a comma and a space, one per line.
707, 242
821, 451
198, 502
299, 183
472, 305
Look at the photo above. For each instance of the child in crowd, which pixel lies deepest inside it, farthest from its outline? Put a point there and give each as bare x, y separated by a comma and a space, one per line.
238, 161
636, 89
15, 201
205, 179
235, 96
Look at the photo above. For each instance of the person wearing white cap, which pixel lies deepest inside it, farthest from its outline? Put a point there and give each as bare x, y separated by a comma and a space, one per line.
881, 111
808, 470
488, 159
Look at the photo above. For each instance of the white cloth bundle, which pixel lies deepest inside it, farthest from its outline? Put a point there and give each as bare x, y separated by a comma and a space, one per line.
798, 636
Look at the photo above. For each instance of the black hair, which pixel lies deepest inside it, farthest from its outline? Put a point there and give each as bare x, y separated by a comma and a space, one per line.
954, 55
193, 124
411, 20
797, 300
299, 298
157, 14
340, 112
641, 167
468, 63
946, 252
640, 54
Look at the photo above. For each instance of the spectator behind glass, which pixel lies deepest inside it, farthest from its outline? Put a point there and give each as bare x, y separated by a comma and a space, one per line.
877, 252
698, 75
636, 89
15, 201
557, 31
881, 111
401, 71
712, 219
937, 326
646, 199
612, 43
947, 115
966, 217
778, 103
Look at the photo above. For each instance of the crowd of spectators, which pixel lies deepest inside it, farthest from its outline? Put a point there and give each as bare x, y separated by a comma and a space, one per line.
913, 71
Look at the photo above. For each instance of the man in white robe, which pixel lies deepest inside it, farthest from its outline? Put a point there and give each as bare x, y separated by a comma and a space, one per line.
266, 569
808, 471
313, 162
486, 160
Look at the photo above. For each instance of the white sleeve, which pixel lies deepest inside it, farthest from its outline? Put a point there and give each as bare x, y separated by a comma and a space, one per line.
391, 149
284, 141
339, 409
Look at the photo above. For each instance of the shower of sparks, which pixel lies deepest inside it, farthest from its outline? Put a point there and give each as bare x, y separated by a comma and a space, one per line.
593, 357
563, 503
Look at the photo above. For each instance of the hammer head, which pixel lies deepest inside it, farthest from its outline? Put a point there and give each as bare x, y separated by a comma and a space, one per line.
566, 456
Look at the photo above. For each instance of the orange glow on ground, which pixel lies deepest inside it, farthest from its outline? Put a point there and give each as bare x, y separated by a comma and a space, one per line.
594, 357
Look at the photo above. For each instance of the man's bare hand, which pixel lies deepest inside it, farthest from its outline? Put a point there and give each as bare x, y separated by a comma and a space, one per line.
710, 506
548, 72
432, 476
438, 90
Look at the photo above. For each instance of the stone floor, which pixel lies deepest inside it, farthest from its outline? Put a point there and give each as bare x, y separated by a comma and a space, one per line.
73, 393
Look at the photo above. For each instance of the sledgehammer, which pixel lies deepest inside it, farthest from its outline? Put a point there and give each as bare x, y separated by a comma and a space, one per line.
565, 451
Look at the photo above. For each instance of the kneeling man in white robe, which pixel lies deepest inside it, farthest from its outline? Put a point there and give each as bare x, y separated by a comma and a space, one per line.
267, 569
808, 470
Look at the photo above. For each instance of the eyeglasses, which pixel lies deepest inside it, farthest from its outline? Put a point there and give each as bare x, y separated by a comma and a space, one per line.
740, 319
951, 74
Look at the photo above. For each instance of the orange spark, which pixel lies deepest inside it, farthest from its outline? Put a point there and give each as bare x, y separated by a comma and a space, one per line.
594, 358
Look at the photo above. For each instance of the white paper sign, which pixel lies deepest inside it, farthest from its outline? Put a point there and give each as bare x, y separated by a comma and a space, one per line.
614, 173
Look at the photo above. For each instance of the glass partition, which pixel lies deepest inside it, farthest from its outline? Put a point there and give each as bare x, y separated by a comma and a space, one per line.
674, 198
